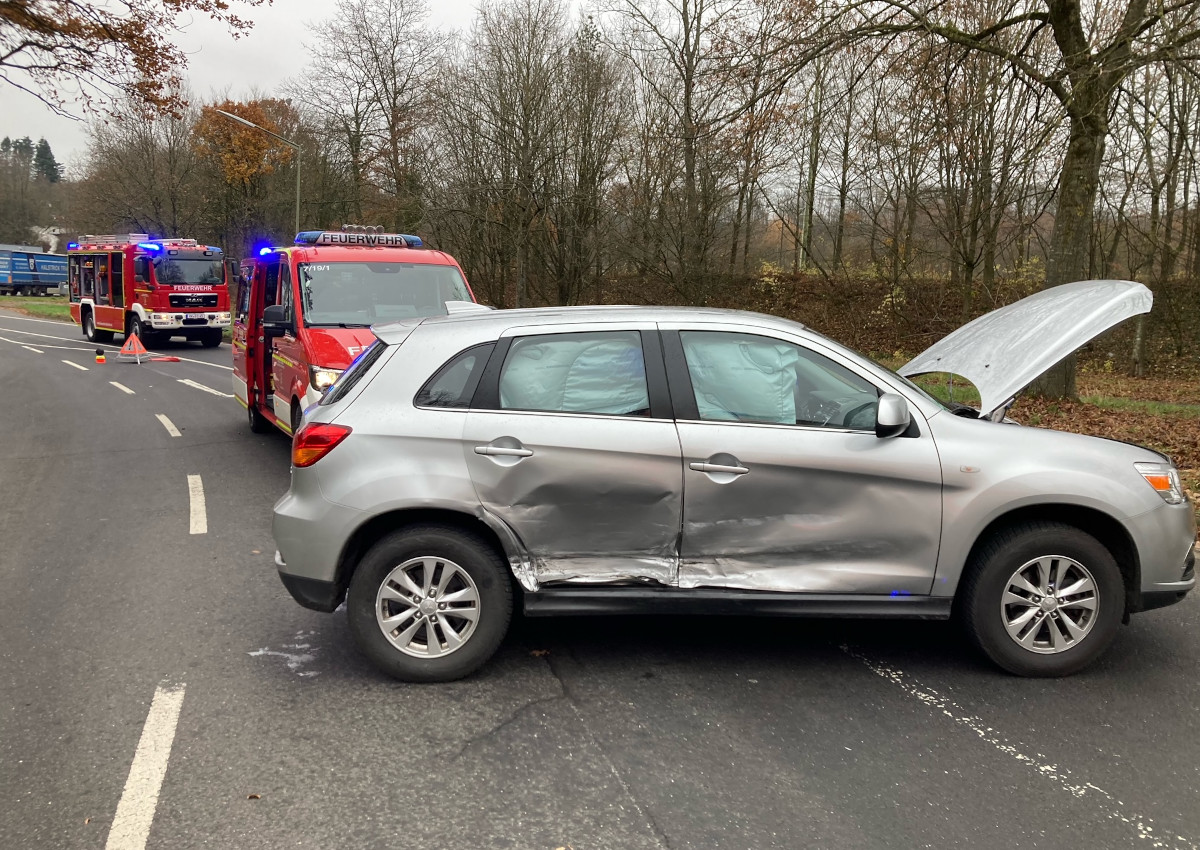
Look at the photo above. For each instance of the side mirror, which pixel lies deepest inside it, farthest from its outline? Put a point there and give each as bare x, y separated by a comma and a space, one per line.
892, 417
277, 321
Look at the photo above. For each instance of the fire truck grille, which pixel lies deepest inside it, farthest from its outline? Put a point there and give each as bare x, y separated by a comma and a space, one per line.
193, 300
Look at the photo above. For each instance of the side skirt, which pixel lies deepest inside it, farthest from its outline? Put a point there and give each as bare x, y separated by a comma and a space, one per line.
584, 601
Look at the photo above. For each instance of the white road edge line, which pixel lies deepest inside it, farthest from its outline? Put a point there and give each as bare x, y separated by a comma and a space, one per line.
174, 432
1110, 806
34, 350
85, 346
135, 812
122, 388
76, 365
199, 386
199, 518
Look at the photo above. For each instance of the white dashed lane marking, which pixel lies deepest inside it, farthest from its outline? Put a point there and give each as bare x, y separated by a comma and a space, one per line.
174, 432
199, 517
1110, 806
76, 365
135, 811
34, 350
203, 388
122, 388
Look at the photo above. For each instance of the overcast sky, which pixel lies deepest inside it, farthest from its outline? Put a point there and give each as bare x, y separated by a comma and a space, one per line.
217, 64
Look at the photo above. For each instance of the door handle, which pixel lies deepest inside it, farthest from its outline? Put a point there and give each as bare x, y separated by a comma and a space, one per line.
503, 451
718, 467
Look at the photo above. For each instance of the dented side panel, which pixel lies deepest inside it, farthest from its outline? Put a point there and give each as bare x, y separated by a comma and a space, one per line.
598, 499
817, 511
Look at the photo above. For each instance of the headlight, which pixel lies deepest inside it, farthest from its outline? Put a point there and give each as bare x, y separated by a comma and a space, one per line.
321, 378
1164, 478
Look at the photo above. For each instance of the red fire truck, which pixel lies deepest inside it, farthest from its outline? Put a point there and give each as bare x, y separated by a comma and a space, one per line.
304, 312
155, 288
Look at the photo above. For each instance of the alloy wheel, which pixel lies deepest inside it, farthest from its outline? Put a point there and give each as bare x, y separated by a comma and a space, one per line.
1050, 604
427, 607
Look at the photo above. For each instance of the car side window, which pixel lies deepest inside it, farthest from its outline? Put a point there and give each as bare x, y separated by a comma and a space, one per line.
749, 378
596, 372
454, 384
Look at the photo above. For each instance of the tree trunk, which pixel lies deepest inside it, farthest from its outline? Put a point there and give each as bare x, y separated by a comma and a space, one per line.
1071, 238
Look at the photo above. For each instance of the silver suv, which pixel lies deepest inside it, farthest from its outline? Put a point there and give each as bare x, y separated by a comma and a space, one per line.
635, 460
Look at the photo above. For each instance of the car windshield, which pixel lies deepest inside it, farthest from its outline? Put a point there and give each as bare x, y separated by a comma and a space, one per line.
360, 294
171, 271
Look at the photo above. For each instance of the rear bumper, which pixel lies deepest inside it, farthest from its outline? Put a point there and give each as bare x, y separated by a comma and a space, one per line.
312, 593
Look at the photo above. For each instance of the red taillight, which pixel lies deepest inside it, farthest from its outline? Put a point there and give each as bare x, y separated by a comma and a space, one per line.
315, 440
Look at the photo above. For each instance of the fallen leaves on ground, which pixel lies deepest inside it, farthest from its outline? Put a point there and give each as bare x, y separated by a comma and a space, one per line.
1171, 390
1177, 436
254, 796
540, 653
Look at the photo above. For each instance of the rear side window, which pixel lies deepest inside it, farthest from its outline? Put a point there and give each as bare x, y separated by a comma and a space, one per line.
454, 384
602, 372
354, 373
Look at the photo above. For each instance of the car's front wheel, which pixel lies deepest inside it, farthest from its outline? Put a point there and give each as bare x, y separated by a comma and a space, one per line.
430, 603
1043, 599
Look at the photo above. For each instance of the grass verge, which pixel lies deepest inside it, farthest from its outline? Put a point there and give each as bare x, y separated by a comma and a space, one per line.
54, 307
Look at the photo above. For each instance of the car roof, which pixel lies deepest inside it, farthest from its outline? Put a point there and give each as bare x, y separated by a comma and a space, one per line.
497, 321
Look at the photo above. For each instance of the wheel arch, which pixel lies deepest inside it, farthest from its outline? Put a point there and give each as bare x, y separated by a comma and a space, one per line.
371, 531
1105, 528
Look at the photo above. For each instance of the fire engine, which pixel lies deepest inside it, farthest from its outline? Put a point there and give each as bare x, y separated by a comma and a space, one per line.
152, 288
304, 312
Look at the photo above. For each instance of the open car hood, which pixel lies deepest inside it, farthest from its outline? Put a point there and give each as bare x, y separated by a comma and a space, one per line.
1004, 351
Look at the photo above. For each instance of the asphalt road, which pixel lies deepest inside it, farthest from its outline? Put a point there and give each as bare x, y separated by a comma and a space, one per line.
590, 733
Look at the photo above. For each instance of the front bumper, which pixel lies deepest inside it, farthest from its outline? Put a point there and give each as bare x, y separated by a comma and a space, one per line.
1166, 539
187, 321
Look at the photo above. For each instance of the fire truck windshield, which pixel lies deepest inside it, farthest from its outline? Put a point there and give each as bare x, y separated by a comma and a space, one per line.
172, 271
361, 294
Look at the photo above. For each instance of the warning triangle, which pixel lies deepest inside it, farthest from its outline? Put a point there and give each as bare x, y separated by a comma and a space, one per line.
133, 345
133, 348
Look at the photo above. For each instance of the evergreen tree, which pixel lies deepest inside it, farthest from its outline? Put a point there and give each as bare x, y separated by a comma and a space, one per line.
44, 163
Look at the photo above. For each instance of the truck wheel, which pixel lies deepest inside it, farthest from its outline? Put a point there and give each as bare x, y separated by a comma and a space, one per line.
93, 333
258, 422
297, 417
430, 603
211, 338
1043, 599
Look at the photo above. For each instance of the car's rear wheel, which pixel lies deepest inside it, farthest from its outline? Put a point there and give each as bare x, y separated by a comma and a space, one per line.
1043, 599
430, 603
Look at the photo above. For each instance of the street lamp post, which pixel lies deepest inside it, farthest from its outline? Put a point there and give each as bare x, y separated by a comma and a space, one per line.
239, 119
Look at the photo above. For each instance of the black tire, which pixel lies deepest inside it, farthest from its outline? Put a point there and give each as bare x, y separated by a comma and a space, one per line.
258, 422
136, 328
297, 417
211, 338
93, 333
987, 579
471, 554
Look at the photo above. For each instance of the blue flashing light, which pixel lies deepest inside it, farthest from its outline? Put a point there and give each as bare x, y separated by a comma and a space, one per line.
71, 246
262, 252
413, 241
308, 237
150, 246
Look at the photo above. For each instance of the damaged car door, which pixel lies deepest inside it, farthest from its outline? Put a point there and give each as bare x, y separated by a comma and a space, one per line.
571, 444
787, 486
